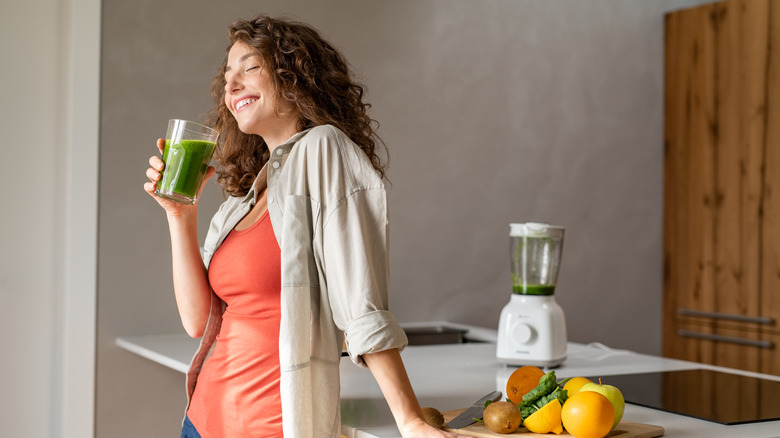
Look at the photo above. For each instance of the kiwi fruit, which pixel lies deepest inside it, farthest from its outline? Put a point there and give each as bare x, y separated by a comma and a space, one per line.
433, 417
502, 417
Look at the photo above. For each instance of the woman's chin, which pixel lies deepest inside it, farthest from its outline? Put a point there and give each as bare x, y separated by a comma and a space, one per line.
246, 128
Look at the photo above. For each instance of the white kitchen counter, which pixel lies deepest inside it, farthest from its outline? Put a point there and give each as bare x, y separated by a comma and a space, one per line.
454, 376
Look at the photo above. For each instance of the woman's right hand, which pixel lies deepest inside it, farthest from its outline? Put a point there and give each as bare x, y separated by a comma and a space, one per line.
190, 281
154, 173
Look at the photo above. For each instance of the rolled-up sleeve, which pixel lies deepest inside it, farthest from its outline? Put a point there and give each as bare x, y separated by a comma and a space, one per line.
355, 260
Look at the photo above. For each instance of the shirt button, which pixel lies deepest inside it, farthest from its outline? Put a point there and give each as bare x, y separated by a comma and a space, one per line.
276, 164
270, 199
279, 152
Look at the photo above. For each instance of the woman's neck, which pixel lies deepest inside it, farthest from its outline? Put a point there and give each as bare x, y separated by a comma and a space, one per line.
287, 127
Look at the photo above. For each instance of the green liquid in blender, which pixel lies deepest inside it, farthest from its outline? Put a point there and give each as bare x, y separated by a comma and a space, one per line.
533, 289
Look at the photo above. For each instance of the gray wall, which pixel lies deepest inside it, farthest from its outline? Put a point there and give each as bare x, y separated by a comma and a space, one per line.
494, 111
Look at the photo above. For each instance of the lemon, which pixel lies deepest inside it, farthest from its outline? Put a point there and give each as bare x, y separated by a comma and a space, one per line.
574, 384
545, 420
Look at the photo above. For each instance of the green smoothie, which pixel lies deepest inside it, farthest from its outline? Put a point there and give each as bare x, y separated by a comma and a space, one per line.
185, 164
533, 289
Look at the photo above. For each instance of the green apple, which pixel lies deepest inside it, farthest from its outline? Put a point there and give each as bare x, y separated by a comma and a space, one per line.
612, 394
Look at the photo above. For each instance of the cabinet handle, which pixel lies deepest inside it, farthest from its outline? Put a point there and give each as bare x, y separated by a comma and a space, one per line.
720, 338
728, 316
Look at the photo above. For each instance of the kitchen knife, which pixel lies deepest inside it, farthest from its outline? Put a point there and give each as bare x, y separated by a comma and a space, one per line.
475, 411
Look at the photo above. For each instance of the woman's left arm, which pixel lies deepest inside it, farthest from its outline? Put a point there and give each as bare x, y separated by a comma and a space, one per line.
389, 371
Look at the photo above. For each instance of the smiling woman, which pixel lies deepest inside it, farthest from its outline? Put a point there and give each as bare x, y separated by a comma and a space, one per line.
251, 98
295, 264
311, 78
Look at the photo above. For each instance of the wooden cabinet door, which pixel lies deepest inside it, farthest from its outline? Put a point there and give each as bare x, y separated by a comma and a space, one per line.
721, 216
770, 263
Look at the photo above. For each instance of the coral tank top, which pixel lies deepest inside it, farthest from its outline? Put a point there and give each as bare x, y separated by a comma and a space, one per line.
237, 392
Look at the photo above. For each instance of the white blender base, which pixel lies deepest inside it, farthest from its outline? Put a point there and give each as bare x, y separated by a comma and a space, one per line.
532, 331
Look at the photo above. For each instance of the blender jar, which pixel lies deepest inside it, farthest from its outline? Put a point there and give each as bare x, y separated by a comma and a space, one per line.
535, 254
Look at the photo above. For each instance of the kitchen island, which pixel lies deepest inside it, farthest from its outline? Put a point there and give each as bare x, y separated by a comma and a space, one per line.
453, 376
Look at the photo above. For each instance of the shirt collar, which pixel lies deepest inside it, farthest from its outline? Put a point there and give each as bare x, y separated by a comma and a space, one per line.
261, 180
288, 145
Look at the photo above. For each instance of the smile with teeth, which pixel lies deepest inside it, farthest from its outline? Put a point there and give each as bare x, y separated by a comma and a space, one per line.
244, 102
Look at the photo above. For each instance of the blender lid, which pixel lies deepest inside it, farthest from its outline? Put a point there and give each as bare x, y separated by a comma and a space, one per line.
535, 229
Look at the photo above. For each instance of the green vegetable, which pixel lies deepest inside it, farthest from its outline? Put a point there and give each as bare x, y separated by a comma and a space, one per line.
557, 394
546, 391
546, 385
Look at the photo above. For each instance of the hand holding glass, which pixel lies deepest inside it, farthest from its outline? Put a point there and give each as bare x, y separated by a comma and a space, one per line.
188, 150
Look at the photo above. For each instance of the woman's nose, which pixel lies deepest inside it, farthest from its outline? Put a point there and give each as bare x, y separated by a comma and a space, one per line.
232, 83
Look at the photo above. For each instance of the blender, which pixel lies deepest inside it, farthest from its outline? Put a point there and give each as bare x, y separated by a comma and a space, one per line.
532, 328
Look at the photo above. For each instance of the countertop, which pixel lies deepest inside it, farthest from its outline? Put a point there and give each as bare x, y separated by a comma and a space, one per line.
453, 376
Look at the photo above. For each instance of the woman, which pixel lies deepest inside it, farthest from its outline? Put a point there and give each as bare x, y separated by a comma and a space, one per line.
294, 265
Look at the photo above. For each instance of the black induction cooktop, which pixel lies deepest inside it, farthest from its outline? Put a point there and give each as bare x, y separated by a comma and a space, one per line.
715, 396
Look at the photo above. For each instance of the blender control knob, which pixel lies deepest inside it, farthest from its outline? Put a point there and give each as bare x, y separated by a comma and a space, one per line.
522, 333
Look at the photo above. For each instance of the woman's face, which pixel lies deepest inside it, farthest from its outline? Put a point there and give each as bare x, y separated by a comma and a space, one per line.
251, 98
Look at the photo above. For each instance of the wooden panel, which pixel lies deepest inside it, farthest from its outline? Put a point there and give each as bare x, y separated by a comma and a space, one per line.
769, 303
689, 179
741, 65
740, 339
722, 142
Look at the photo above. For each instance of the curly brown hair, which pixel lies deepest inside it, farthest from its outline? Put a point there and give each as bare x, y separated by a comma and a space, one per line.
307, 72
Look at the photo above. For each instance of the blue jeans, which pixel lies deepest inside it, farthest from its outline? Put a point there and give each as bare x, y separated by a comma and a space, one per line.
188, 430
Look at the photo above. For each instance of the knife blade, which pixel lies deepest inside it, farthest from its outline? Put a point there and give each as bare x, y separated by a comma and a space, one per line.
475, 411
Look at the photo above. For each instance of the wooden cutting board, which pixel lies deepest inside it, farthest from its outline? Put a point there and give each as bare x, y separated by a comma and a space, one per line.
623, 430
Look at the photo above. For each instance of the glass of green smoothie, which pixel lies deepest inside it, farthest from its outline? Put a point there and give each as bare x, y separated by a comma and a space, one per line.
188, 150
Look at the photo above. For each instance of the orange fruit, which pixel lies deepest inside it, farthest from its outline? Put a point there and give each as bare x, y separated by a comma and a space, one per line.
574, 384
521, 381
587, 414
545, 420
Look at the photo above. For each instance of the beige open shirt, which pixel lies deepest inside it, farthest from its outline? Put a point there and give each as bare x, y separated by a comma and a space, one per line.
328, 207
